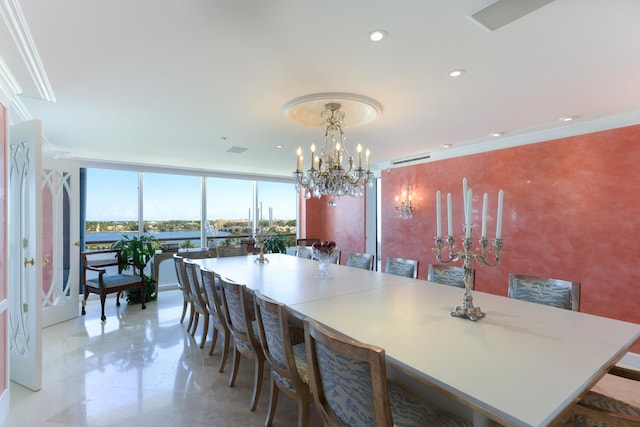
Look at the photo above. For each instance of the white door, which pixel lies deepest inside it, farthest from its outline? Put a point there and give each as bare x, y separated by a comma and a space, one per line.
60, 243
25, 254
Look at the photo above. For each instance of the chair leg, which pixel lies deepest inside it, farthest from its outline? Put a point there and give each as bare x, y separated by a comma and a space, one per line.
205, 330
191, 316
195, 323
118, 299
273, 402
214, 339
234, 371
225, 351
103, 299
84, 300
303, 412
184, 311
257, 383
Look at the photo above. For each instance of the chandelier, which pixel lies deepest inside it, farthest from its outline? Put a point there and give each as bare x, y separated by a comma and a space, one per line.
333, 171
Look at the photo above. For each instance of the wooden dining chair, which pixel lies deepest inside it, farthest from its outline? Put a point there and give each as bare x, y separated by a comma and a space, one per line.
543, 290
349, 385
187, 301
211, 284
402, 267
191, 275
284, 349
360, 260
240, 317
307, 242
449, 275
597, 409
227, 251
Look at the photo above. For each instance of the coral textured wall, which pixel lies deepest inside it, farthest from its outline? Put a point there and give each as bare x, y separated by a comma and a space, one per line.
571, 211
345, 223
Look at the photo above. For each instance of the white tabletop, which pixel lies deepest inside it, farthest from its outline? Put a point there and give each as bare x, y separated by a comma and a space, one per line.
293, 280
522, 364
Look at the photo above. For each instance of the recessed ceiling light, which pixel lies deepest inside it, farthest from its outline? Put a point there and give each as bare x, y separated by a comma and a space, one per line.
456, 73
224, 138
446, 145
377, 35
565, 118
279, 146
495, 134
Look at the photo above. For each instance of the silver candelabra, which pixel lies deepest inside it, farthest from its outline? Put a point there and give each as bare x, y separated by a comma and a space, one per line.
446, 252
467, 309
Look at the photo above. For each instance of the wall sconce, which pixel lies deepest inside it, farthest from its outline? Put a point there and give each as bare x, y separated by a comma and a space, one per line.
404, 208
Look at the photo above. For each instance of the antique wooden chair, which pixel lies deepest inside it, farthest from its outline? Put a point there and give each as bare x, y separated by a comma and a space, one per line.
348, 381
597, 409
240, 316
284, 349
542, 290
449, 275
211, 283
192, 279
104, 262
225, 251
402, 267
360, 260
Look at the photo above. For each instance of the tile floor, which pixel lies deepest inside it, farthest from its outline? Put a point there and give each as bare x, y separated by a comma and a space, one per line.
142, 369
139, 369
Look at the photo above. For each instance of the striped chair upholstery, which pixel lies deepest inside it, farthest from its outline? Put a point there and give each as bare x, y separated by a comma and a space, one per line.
542, 290
359, 260
449, 275
192, 281
240, 314
402, 267
226, 251
349, 385
285, 351
599, 410
211, 284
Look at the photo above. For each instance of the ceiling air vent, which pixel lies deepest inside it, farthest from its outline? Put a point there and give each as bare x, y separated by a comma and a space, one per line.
502, 12
237, 150
411, 160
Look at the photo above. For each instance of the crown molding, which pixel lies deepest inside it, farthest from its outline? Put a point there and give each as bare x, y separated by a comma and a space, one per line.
17, 26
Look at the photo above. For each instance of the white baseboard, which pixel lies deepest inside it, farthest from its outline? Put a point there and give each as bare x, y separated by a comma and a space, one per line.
631, 359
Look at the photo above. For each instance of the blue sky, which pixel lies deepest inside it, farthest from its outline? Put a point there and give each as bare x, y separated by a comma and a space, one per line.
112, 195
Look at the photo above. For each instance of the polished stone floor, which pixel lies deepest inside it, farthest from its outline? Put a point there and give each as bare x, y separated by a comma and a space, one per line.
141, 369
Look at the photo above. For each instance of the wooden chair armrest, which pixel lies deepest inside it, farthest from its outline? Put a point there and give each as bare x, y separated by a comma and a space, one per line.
99, 270
605, 416
623, 372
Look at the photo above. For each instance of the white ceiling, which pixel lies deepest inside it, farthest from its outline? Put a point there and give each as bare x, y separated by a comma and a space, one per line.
162, 82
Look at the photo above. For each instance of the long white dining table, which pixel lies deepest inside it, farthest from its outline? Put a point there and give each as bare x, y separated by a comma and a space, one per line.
524, 364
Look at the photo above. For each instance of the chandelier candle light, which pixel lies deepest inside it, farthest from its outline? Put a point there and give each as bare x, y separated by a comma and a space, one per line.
468, 254
333, 172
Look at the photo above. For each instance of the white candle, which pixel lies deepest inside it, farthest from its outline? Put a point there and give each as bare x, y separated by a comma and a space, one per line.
438, 224
449, 216
367, 153
397, 199
465, 193
359, 148
313, 156
485, 202
469, 203
299, 152
499, 218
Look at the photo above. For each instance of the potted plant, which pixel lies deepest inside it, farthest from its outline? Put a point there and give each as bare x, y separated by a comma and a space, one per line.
139, 251
275, 243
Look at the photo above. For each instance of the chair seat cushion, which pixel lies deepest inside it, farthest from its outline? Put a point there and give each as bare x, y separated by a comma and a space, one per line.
407, 411
114, 281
